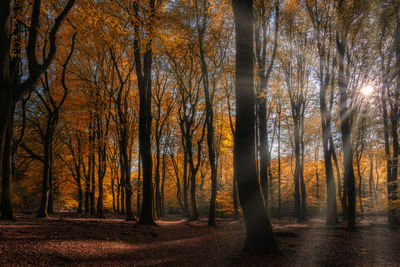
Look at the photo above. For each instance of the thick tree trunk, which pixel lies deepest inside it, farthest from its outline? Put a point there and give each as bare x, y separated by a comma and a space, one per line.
6, 28
6, 206
234, 190
50, 206
393, 187
122, 184
101, 172
331, 213
144, 85
194, 213
345, 125
263, 148
185, 188
138, 205
260, 237
297, 170
100, 207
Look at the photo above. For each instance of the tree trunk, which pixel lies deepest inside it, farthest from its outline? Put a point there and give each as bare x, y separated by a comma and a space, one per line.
144, 85
164, 169
138, 206
296, 177
345, 125
260, 237
279, 164
185, 187
157, 176
234, 190
6, 206
123, 183
43, 209
80, 198
92, 193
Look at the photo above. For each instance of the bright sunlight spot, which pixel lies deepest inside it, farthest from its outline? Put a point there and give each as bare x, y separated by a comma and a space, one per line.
367, 90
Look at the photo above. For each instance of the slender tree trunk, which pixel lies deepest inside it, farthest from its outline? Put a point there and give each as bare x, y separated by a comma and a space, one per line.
128, 186
279, 164
93, 183
164, 169
113, 195
43, 209
80, 196
138, 187
157, 178
302, 184
371, 179
210, 128
360, 189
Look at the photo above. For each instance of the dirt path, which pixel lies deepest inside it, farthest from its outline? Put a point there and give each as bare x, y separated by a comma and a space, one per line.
112, 242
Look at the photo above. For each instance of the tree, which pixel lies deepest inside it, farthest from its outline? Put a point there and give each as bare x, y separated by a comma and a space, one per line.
12, 92
143, 73
260, 237
322, 23
390, 102
264, 70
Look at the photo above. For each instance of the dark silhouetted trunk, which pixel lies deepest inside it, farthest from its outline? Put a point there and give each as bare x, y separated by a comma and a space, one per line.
6, 206
346, 115
144, 84
260, 237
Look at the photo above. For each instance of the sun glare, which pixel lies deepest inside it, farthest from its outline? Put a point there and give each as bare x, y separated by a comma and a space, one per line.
367, 90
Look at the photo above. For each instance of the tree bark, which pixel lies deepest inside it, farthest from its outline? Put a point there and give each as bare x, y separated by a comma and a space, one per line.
260, 237
346, 128
144, 83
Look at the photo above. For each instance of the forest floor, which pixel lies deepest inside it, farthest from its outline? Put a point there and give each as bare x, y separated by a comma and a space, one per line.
65, 239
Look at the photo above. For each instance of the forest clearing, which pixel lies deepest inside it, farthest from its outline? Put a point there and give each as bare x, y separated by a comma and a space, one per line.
66, 239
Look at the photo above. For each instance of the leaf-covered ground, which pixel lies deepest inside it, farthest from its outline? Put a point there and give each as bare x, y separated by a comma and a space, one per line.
70, 240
